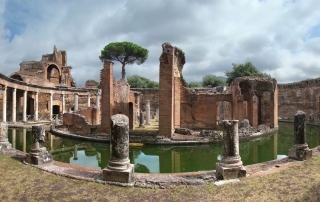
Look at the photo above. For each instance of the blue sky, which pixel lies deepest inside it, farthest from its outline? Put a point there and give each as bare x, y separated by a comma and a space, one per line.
280, 37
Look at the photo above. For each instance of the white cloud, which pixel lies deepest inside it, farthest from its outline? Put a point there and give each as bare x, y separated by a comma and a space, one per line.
280, 37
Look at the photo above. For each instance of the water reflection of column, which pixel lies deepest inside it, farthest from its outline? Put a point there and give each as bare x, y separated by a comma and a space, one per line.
175, 162
24, 138
275, 148
75, 152
13, 138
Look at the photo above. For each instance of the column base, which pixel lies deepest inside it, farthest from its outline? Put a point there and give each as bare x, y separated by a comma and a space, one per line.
300, 152
226, 173
5, 145
122, 176
43, 157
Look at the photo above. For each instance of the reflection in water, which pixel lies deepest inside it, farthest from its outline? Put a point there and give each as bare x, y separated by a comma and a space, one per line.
169, 158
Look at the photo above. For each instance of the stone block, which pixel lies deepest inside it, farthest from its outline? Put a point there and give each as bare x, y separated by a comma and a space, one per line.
227, 173
43, 157
5, 145
122, 176
300, 154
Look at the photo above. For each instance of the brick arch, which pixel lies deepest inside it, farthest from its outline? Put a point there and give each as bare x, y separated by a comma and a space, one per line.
53, 73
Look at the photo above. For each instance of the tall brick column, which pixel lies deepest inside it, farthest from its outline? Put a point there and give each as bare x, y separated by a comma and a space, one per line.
172, 60
106, 85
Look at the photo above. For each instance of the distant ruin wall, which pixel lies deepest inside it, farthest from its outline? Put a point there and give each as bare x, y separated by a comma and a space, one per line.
303, 95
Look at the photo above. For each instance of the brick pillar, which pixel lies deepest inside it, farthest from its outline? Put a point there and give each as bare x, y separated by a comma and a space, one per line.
177, 91
107, 103
166, 92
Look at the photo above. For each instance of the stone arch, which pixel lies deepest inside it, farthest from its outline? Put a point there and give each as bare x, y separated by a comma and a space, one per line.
16, 77
53, 74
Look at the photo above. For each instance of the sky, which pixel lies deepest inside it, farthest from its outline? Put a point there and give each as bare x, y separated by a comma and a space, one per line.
280, 37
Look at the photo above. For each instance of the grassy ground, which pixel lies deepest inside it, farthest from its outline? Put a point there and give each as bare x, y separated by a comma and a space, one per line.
19, 182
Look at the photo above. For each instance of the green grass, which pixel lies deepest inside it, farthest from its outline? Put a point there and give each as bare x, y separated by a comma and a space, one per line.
20, 182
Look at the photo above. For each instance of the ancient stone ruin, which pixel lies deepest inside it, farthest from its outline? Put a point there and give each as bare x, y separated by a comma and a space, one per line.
230, 165
300, 150
38, 154
4, 142
119, 168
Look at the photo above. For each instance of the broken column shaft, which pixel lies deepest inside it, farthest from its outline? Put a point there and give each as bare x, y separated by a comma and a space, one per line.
38, 154
147, 112
230, 165
300, 150
119, 168
4, 142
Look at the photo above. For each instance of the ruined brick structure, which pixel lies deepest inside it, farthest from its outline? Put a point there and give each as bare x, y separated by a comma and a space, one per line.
116, 98
303, 95
52, 70
172, 60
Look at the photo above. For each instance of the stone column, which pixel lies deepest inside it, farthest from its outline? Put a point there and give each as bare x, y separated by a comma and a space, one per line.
147, 112
98, 99
63, 103
36, 111
230, 165
119, 168
137, 114
300, 150
75, 152
4, 142
38, 154
76, 96
157, 114
50, 106
24, 113
141, 124
14, 105
89, 98
4, 104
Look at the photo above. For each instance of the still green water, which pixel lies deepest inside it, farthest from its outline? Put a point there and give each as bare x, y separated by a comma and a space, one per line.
169, 158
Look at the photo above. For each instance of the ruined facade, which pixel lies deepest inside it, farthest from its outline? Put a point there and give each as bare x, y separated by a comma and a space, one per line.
303, 95
51, 70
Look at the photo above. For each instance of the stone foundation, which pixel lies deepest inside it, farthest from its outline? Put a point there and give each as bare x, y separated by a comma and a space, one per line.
122, 176
300, 152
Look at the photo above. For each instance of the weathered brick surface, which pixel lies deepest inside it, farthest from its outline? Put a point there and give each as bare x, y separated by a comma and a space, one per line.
303, 95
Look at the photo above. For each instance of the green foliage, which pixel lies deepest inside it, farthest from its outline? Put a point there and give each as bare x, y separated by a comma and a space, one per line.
194, 85
247, 69
125, 53
212, 80
136, 81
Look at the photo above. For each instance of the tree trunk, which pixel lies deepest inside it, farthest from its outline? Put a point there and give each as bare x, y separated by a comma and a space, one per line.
123, 72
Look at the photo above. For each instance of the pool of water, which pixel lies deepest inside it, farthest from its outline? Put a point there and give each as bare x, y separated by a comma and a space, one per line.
166, 158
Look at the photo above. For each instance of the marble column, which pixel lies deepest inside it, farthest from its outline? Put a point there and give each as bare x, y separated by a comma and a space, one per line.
98, 99
76, 96
230, 165
300, 150
141, 124
36, 103
147, 112
38, 154
14, 105
119, 168
137, 114
50, 105
4, 142
24, 112
89, 98
4, 104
